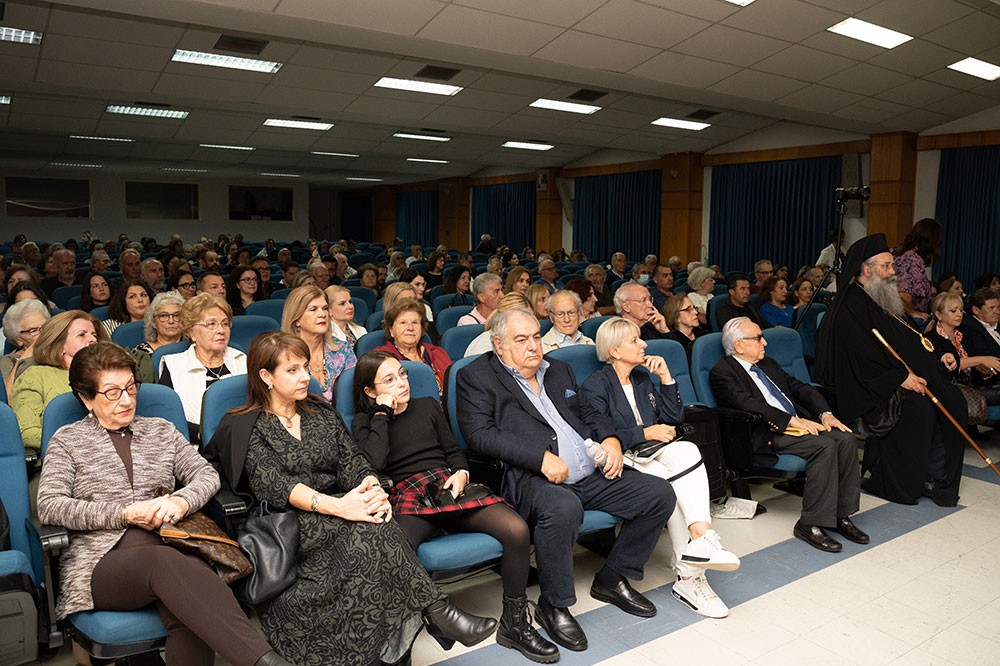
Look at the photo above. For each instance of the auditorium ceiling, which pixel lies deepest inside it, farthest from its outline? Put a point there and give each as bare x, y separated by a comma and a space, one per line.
742, 70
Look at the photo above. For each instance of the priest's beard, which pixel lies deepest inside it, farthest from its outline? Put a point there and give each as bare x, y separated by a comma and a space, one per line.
883, 292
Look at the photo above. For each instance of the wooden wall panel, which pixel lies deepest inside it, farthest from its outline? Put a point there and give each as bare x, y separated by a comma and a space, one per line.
893, 178
680, 214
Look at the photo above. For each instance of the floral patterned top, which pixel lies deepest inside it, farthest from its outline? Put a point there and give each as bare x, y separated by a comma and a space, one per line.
335, 363
911, 278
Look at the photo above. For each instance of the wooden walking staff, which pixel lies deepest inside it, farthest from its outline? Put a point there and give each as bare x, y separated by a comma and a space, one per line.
937, 403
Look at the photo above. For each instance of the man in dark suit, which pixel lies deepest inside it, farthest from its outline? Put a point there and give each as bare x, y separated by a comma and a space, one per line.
738, 304
980, 330
749, 381
528, 413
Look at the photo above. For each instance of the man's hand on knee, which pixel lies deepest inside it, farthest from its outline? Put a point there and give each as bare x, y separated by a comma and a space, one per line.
554, 468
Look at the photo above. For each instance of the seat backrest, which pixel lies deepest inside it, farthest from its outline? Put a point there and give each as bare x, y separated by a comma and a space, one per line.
713, 307
373, 339
14, 488
280, 294
61, 295
365, 294
374, 321
784, 345
100, 313
444, 301
705, 353
361, 311
166, 350
379, 305
449, 317
451, 397
457, 338
228, 393
807, 328
247, 327
272, 308
675, 356
152, 400
74, 303
423, 384
582, 358
589, 327
359, 259
129, 335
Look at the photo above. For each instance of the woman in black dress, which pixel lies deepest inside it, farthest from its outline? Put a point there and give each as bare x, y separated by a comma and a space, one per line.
360, 596
682, 319
410, 441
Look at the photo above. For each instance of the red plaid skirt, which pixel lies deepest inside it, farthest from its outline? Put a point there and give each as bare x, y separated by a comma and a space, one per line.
415, 495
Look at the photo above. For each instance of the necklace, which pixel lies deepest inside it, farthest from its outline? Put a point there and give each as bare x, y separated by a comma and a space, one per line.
289, 420
927, 344
216, 373
120, 431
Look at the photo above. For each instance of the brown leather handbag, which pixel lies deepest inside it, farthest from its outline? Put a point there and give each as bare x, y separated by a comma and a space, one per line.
199, 535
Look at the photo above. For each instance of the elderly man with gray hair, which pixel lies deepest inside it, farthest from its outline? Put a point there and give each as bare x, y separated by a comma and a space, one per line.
487, 289
795, 419
565, 309
634, 303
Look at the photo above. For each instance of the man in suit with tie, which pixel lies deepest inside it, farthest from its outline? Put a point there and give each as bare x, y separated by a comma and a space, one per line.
527, 411
980, 330
747, 380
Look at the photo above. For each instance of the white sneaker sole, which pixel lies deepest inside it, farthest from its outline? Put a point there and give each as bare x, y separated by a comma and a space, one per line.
699, 611
709, 564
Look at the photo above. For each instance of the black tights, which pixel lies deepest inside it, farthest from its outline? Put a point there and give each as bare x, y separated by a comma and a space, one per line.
497, 520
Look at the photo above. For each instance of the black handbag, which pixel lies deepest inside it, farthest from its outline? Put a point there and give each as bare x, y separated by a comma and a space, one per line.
271, 543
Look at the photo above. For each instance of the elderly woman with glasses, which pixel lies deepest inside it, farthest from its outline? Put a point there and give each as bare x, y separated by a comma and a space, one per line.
206, 320
405, 325
564, 310
161, 326
21, 325
702, 282
682, 318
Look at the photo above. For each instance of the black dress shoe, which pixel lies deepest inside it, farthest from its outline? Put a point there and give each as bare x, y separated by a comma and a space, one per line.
448, 623
816, 537
850, 531
561, 626
624, 596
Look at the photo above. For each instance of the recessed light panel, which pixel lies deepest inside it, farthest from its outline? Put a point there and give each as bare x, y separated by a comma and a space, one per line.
4, 99
322, 152
975, 67
298, 124
101, 138
19, 36
76, 165
528, 145
869, 32
741, 3
365, 180
413, 85
421, 137
279, 175
680, 124
228, 62
147, 111
556, 105
178, 170
421, 159
220, 146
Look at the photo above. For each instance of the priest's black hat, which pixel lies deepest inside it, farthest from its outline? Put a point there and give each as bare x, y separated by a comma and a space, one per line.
861, 251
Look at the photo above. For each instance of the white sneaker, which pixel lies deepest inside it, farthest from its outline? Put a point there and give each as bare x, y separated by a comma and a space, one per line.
707, 552
698, 595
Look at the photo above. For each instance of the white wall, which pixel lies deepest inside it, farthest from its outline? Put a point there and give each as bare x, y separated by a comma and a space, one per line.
925, 198
107, 194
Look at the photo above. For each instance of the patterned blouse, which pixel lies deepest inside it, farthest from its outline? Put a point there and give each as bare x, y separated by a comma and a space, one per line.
911, 278
335, 362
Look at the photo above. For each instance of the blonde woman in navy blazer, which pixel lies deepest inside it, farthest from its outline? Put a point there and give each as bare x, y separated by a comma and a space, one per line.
642, 412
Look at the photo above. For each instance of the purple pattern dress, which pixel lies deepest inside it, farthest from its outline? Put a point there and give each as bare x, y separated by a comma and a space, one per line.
911, 278
336, 362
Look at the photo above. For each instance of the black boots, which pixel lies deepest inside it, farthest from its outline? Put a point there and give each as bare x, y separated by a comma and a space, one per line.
516, 632
447, 623
272, 658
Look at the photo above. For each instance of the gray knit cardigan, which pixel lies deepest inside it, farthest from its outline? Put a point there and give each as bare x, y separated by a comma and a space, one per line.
84, 486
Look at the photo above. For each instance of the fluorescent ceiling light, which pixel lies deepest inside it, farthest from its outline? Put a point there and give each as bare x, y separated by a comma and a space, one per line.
76, 165
366, 180
147, 111
229, 62
175, 169
526, 145
418, 86
321, 152
869, 32
297, 124
19, 36
4, 99
680, 124
741, 3
556, 105
980, 68
421, 159
421, 137
100, 138
279, 175
225, 147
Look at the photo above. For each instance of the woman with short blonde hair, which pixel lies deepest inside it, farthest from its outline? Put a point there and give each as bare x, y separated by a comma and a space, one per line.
307, 316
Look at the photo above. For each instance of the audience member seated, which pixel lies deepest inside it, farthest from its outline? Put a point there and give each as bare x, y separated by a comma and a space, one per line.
642, 273
642, 413
242, 289
211, 282
151, 274
588, 299
184, 283
633, 302
410, 441
945, 333
527, 412
129, 303
368, 276
510, 258
99, 261
738, 304
795, 419
911, 259
320, 274
483, 342
494, 265
306, 315
663, 285
990, 281
103, 478
305, 279
22, 324
538, 297
548, 275
58, 342
343, 327
162, 326
397, 264
951, 285
95, 291
701, 281
207, 321
518, 279
682, 320
65, 264
616, 268
763, 270
834, 250
29, 291
17, 273
981, 337
802, 291
416, 254
360, 596
129, 264
597, 277
405, 324
774, 306
289, 269
911, 449
433, 273
565, 314
487, 292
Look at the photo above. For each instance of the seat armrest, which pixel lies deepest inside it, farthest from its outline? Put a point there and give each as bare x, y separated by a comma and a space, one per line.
54, 539
229, 503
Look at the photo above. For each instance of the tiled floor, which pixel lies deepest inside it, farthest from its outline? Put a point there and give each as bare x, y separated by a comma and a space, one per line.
925, 592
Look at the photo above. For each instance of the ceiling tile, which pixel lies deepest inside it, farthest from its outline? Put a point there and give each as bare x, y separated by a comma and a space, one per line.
684, 70
315, 101
29, 17
617, 118
919, 120
969, 34
296, 76
850, 7
471, 98
789, 19
367, 106
820, 98
217, 135
737, 47
867, 111
633, 21
564, 13
522, 126
915, 17
342, 145
953, 79
58, 124
842, 46
461, 118
516, 85
17, 69
650, 106
917, 93
150, 128
484, 30
404, 18
962, 104
865, 79
172, 85
800, 62
254, 5
917, 58
583, 50
104, 79
108, 53
757, 85
102, 26
287, 140
342, 60
710, 11
46, 105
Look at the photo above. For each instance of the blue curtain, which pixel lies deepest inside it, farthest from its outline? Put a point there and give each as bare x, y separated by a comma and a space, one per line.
506, 213
356, 216
780, 211
417, 217
617, 212
968, 208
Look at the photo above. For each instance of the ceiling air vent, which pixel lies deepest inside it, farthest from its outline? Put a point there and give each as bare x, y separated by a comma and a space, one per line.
435, 73
586, 95
245, 45
156, 105
702, 114
432, 130
310, 118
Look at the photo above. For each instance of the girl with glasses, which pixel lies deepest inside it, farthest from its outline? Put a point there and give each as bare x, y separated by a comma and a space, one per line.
243, 287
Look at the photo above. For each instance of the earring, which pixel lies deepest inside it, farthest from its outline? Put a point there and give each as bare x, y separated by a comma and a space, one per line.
90, 413
269, 387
